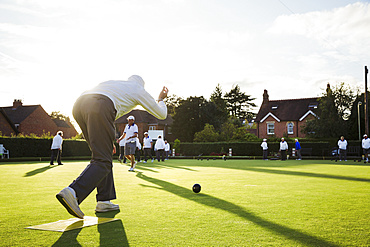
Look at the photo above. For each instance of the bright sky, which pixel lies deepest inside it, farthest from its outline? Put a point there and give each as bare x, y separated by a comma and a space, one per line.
52, 51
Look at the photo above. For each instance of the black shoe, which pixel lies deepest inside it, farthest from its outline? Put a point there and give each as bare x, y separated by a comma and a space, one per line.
60, 164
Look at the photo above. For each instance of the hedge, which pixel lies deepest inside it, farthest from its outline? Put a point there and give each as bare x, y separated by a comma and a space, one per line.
29, 147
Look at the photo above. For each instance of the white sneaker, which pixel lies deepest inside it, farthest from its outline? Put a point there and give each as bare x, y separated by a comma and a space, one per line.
133, 167
67, 197
144, 161
152, 160
105, 206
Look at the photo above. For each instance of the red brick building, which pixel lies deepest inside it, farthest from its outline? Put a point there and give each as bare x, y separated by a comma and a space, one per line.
31, 119
145, 121
284, 117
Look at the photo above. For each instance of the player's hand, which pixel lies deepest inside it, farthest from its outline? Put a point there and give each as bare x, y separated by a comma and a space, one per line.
163, 94
114, 149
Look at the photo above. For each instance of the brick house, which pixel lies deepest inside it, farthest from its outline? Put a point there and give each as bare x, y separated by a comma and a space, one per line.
146, 121
31, 119
284, 117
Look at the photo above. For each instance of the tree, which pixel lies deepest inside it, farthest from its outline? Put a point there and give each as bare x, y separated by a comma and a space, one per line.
333, 112
221, 112
172, 102
191, 116
188, 118
59, 116
239, 104
208, 134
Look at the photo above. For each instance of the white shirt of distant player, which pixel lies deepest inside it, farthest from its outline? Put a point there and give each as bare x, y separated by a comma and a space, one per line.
283, 145
147, 142
167, 147
366, 143
57, 142
125, 95
122, 142
264, 146
159, 144
138, 144
130, 131
342, 144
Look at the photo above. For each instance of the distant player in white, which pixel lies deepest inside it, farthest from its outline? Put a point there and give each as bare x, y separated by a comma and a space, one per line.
283, 148
147, 145
342, 144
130, 135
159, 148
264, 149
56, 148
366, 147
167, 149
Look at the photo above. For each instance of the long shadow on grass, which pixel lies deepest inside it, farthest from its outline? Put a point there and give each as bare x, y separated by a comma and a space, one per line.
306, 174
111, 233
229, 207
230, 165
38, 170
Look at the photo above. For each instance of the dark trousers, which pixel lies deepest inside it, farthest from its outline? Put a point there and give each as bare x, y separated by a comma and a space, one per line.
283, 154
95, 115
299, 154
264, 152
137, 154
160, 153
147, 152
122, 154
56, 153
342, 153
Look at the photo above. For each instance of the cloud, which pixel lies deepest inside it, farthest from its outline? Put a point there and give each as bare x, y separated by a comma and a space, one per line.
344, 29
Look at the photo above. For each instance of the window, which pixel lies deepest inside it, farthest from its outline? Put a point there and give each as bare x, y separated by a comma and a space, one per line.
169, 130
151, 127
290, 128
271, 128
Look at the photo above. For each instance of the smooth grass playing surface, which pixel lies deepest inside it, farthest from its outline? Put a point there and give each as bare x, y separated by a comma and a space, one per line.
242, 203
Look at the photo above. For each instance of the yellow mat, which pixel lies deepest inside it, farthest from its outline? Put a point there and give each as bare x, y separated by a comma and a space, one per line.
71, 224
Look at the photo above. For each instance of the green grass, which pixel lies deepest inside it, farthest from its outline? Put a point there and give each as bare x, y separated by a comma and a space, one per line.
242, 203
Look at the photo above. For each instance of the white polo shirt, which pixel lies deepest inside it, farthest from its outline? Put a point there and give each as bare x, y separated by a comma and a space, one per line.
366, 143
147, 142
264, 146
283, 145
130, 131
57, 142
167, 147
342, 144
159, 144
125, 95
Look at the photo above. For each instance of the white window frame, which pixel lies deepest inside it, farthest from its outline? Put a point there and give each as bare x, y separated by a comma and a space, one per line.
290, 128
268, 125
152, 127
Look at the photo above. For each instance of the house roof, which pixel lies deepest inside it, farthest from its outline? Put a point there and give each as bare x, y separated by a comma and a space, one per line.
61, 123
19, 114
287, 110
9, 120
144, 117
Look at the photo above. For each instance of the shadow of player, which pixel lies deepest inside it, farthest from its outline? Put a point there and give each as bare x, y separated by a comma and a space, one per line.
111, 233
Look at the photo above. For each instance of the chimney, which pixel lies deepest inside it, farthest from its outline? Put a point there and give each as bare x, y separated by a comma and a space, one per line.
16, 103
265, 97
